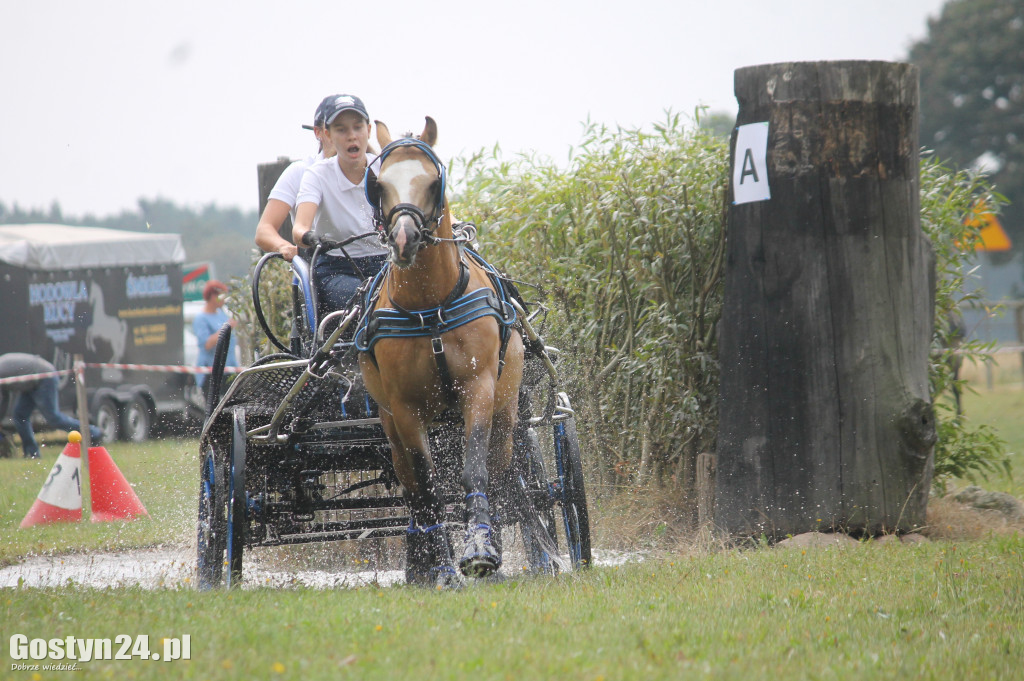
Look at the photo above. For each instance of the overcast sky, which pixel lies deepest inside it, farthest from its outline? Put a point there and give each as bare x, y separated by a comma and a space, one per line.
107, 102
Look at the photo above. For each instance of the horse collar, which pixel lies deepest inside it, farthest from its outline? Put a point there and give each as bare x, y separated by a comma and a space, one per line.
460, 288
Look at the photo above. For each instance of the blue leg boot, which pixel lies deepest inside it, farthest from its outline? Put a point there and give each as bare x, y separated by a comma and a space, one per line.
482, 555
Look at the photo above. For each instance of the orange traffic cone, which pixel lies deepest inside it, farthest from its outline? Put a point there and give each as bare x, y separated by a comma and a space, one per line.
112, 497
60, 499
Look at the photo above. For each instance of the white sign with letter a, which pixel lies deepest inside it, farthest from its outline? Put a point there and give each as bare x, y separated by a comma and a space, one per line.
749, 167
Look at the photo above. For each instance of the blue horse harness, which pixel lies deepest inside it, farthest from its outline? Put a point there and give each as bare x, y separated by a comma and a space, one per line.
458, 309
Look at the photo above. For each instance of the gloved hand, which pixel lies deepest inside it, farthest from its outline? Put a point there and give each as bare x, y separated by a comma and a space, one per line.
311, 240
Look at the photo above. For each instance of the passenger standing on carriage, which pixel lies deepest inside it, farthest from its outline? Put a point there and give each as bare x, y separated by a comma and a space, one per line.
282, 201
332, 206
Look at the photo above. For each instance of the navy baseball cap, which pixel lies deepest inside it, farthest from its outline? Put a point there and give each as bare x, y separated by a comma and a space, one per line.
321, 112
341, 103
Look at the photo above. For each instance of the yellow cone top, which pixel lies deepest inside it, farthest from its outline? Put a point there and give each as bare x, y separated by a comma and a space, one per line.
74, 437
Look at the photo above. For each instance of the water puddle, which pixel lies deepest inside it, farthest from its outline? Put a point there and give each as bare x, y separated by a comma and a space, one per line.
176, 568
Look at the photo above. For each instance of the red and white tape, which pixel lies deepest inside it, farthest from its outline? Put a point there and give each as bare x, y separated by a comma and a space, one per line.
163, 368
159, 368
32, 377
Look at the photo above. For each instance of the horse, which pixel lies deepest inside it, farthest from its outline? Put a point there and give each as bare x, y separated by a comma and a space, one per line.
444, 341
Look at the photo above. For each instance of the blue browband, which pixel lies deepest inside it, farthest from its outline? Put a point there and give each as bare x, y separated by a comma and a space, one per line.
463, 309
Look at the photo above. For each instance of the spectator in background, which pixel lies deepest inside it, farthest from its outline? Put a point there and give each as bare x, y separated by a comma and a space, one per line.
206, 327
281, 201
41, 394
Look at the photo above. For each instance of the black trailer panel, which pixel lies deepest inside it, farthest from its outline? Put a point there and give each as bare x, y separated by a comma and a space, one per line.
123, 313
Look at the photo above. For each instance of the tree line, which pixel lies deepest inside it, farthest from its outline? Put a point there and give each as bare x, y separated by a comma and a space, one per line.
223, 236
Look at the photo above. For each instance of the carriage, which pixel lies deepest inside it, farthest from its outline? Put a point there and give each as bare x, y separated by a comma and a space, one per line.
295, 452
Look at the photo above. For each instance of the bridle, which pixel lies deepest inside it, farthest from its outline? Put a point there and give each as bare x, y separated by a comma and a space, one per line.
426, 225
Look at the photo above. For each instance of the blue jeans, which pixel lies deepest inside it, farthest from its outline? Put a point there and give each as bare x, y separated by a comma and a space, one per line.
337, 280
44, 398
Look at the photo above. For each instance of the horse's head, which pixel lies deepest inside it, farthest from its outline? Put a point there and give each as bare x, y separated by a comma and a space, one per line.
408, 193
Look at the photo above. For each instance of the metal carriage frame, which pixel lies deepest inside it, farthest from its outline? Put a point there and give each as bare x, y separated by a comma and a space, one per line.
294, 453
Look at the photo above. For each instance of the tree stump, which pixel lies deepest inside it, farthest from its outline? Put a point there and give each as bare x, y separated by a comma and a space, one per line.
825, 414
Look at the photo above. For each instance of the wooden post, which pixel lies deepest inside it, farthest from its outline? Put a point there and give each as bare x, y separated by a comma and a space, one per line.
1018, 315
82, 399
267, 175
825, 414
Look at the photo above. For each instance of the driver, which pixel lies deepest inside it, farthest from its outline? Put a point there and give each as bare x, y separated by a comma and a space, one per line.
331, 206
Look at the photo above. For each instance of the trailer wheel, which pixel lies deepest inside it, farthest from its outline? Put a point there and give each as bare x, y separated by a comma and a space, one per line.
107, 418
136, 420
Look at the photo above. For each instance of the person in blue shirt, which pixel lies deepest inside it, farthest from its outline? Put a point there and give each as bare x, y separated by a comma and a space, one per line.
206, 327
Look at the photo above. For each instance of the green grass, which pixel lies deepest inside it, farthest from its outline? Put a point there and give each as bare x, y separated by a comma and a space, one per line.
164, 475
938, 610
930, 611
1003, 408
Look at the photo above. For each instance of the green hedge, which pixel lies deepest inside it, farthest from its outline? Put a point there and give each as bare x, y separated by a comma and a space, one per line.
626, 245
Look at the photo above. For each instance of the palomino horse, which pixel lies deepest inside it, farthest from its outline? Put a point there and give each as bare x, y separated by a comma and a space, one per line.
437, 336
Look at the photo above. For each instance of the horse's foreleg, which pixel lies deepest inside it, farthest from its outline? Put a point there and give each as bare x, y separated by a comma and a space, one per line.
429, 559
410, 453
482, 555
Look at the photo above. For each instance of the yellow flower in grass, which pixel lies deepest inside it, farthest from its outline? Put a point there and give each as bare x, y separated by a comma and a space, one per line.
277, 668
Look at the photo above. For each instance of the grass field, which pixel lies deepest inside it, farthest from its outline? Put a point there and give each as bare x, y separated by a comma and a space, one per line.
938, 610
929, 611
1002, 406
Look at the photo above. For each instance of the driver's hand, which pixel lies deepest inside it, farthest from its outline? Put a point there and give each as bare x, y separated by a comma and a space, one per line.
288, 250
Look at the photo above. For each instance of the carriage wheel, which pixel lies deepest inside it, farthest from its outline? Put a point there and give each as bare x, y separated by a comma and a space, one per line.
536, 522
236, 522
572, 495
212, 524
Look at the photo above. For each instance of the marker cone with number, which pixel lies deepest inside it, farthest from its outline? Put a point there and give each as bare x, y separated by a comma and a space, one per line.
60, 499
112, 497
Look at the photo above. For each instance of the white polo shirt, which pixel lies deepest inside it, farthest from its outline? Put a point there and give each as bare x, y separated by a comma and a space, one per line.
287, 186
343, 210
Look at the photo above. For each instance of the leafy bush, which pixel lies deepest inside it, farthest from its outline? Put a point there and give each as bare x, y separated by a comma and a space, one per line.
947, 199
626, 246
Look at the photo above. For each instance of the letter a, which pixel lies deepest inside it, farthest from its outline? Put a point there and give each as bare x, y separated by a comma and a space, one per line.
748, 166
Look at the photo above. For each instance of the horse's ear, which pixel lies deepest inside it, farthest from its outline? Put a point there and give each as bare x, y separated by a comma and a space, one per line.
429, 134
383, 134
